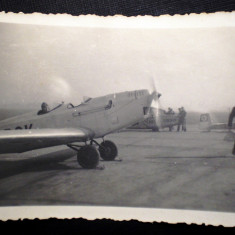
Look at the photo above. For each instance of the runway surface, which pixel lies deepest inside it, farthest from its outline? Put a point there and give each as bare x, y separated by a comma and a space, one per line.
186, 170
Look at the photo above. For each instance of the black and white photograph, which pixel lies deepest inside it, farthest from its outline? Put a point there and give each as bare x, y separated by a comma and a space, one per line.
117, 115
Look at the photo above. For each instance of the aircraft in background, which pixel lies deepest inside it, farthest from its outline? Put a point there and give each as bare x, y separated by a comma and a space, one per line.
157, 119
206, 124
68, 124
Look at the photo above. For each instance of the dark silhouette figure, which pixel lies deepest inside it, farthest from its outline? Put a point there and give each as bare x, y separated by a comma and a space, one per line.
182, 119
45, 109
230, 124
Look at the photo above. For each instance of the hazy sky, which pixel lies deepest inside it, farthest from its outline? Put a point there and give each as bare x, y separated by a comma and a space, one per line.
194, 68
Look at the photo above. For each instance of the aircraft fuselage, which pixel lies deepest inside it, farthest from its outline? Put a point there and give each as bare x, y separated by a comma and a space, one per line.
101, 115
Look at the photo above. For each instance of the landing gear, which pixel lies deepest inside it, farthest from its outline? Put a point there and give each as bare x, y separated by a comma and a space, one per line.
108, 150
88, 157
155, 129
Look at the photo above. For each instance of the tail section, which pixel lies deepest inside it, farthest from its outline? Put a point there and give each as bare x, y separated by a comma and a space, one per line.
205, 122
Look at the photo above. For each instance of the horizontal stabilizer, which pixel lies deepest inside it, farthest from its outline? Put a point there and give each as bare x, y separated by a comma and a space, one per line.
205, 122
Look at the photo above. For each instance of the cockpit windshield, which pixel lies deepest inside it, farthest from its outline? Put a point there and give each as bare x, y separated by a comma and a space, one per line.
85, 101
59, 105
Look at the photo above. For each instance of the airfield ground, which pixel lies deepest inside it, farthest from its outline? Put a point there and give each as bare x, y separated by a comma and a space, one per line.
190, 170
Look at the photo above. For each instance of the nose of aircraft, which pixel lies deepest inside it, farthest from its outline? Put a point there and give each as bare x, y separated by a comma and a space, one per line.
156, 95
152, 96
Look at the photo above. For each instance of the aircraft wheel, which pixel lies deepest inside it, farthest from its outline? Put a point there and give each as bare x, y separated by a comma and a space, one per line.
108, 150
88, 157
155, 129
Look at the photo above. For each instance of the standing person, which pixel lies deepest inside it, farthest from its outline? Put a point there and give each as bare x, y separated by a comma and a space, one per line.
230, 119
184, 113
180, 119
230, 124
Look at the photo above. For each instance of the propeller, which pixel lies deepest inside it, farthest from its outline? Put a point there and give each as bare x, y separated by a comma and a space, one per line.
156, 104
155, 94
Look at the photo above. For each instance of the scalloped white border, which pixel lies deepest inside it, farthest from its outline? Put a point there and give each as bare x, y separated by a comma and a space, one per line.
220, 19
171, 216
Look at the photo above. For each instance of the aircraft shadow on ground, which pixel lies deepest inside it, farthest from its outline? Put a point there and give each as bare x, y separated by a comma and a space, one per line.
50, 161
188, 157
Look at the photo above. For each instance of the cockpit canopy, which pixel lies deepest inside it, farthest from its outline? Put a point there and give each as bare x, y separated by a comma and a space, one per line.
46, 109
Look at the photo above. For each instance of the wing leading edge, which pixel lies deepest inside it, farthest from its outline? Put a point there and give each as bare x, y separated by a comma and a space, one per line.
18, 141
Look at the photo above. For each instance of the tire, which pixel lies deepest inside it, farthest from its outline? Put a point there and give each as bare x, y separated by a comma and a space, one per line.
88, 157
155, 129
108, 150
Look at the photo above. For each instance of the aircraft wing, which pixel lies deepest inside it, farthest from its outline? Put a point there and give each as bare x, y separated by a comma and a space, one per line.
219, 126
18, 141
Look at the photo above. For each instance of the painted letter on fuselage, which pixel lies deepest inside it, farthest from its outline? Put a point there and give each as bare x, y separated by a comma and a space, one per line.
21, 128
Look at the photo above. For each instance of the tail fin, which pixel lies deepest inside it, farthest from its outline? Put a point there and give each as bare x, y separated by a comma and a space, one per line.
205, 122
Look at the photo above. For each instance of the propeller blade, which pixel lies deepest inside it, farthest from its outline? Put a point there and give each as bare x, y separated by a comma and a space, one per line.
156, 105
155, 93
157, 113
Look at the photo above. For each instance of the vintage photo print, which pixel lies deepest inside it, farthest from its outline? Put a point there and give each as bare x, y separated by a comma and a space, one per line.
116, 117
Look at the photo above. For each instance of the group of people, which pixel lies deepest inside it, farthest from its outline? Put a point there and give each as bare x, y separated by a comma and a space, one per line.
181, 117
169, 111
